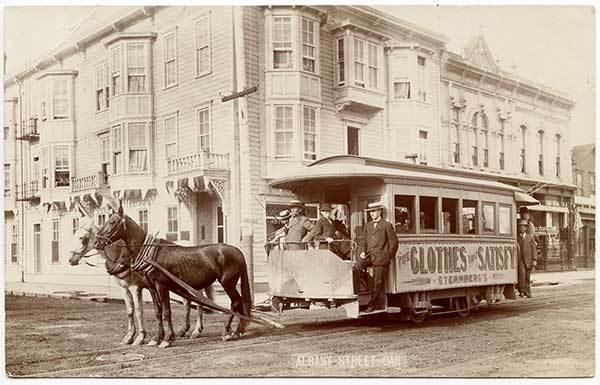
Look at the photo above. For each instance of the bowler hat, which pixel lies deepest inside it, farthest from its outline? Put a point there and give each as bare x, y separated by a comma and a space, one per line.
283, 215
325, 207
296, 203
375, 206
522, 222
523, 209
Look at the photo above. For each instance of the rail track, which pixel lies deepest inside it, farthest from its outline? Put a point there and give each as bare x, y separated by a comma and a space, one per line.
295, 332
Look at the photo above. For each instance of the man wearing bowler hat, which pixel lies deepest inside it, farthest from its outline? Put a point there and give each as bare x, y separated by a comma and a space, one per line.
376, 249
527, 253
298, 226
280, 234
526, 215
323, 229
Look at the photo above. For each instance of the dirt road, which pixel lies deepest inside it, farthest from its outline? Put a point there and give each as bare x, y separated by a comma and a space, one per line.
551, 334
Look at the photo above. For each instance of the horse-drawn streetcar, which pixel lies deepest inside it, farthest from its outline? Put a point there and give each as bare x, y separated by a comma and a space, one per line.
456, 236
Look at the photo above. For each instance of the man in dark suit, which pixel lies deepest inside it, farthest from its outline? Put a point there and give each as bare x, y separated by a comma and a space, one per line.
322, 230
376, 249
527, 253
298, 226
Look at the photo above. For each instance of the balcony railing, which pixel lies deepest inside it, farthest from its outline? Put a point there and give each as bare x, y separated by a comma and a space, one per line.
88, 182
199, 161
30, 131
28, 191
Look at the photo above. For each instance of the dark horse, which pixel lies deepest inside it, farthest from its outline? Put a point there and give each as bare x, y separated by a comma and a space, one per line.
198, 266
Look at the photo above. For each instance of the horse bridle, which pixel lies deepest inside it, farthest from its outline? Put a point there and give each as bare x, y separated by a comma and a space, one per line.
108, 237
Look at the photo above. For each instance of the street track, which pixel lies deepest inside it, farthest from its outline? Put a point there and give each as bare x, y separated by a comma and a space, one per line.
294, 333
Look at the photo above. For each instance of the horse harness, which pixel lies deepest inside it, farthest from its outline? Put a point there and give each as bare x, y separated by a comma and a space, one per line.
147, 252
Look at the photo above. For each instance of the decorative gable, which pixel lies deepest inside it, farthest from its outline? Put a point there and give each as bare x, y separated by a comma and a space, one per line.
478, 54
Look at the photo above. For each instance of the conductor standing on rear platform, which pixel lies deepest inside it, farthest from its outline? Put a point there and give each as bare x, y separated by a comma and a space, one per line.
376, 249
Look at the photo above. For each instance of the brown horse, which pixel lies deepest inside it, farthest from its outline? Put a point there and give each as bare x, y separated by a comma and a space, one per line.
116, 257
198, 266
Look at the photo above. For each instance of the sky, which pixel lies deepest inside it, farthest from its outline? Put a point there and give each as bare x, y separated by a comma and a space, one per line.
552, 45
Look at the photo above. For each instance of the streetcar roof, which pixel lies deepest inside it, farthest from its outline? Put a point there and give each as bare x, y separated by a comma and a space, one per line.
351, 167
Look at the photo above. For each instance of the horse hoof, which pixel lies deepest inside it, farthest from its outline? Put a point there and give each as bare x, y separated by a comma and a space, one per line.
126, 340
164, 344
181, 333
139, 340
152, 343
195, 334
226, 337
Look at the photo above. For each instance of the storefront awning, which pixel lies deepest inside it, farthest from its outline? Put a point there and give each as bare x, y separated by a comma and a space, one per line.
551, 209
587, 210
524, 199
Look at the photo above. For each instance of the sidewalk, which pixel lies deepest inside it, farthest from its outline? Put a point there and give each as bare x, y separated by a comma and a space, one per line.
99, 293
110, 292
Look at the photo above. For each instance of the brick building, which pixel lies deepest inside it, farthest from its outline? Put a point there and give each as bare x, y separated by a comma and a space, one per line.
186, 113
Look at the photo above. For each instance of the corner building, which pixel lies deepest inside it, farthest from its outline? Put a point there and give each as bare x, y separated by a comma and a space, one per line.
187, 113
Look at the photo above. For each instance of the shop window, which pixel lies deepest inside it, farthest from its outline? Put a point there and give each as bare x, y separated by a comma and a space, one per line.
505, 220
404, 211
469, 217
489, 218
449, 216
428, 214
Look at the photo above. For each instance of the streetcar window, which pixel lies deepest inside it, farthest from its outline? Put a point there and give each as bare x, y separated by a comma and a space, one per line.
449, 216
404, 208
489, 218
469, 217
428, 208
505, 220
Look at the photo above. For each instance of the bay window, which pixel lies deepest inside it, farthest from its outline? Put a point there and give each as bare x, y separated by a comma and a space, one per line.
282, 42
138, 147
421, 79
136, 67
373, 66
402, 90
310, 133
203, 65
423, 147
284, 131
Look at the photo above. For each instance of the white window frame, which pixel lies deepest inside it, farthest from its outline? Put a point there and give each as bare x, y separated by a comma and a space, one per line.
373, 65
202, 45
286, 130
138, 147
423, 147
8, 180
55, 223
116, 70
340, 61
63, 166
359, 59
170, 58
402, 81
204, 133
283, 45
421, 75
308, 45
173, 140
101, 86
315, 134
172, 220
117, 157
141, 222
134, 71
61, 98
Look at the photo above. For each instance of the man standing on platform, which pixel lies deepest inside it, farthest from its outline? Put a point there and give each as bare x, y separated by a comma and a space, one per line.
527, 253
376, 249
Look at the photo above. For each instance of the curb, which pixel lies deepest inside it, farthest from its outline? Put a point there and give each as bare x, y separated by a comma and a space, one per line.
96, 298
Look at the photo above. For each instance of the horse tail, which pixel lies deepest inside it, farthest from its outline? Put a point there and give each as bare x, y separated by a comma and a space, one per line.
245, 286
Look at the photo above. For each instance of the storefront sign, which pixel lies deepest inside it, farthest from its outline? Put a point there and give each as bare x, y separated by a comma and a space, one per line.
442, 265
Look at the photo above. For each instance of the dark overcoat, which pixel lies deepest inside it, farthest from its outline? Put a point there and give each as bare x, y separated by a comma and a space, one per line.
380, 242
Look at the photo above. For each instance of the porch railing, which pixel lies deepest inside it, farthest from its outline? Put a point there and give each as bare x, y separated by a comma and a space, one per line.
87, 182
199, 161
